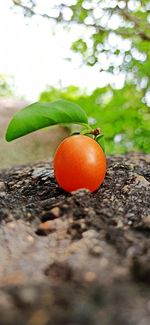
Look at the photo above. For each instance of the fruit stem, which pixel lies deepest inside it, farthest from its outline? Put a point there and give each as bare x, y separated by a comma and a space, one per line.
96, 132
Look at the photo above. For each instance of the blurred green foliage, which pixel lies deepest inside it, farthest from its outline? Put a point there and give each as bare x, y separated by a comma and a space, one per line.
114, 38
6, 86
121, 114
114, 35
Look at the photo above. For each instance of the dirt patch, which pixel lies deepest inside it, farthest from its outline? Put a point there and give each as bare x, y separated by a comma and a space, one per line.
76, 258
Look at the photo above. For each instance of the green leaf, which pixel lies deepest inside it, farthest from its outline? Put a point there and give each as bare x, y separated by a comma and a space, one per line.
101, 141
87, 130
79, 46
39, 115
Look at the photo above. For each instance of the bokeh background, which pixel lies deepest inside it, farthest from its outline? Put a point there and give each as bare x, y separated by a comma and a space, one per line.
93, 52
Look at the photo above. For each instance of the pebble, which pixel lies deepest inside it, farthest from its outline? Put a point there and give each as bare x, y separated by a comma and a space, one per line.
46, 227
2, 194
125, 188
11, 183
142, 181
119, 224
132, 251
90, 233
55, 211
83, 226
129, 237
96, 250
28, 295
11, 225
2, 186
29, 214
146, 221
103, 262
90, 276
5, 215
30, 238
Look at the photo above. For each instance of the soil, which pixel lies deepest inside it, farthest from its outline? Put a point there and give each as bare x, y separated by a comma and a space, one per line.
75, 258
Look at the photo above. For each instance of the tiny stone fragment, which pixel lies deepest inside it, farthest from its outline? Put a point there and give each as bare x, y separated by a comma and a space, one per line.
2, 186
90, 233
55, 211
120, 224
11, 225
125, 188
51, 225
96, 250
142, 181
5, 215
146, 221
46, 227
90, 276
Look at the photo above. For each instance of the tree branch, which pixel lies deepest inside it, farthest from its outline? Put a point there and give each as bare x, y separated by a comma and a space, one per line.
137, 23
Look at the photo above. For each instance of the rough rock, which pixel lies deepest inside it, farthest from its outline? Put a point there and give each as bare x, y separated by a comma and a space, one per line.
92, 266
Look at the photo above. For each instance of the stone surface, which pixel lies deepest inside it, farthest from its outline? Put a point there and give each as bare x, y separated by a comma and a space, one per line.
91, 263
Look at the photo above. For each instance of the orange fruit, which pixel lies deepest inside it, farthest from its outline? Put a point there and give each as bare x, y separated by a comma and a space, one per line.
79, 162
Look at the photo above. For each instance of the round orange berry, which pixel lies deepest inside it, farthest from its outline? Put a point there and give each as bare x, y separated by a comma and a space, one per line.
79, 162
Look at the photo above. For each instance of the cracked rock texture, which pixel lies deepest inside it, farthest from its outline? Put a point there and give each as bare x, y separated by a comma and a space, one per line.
75, 258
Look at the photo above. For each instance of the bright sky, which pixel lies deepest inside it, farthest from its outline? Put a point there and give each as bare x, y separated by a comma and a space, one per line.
34, 56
